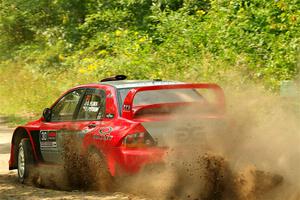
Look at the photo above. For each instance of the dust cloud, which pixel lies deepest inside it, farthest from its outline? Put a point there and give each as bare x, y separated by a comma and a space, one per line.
250, 153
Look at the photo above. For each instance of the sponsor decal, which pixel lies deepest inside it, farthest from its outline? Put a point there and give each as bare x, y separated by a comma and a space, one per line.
90, 108
48, 139
52, 134
106, 137
127, 107
106, 130
104, 134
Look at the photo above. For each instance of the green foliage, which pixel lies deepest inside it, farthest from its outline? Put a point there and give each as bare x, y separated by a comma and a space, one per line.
51, 45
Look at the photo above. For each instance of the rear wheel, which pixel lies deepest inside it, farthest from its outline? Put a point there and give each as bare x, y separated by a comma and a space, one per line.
25, 159
102, 179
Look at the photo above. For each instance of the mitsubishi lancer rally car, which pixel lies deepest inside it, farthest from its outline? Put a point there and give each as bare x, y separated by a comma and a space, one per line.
118, 118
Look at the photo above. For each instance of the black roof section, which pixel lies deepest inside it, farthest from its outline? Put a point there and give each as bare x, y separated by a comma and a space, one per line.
114, 78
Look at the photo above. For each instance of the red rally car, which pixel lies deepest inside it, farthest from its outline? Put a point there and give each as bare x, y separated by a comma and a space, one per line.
116, 117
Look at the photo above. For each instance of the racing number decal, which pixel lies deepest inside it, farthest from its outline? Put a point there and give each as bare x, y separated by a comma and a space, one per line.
48, 139
43, 135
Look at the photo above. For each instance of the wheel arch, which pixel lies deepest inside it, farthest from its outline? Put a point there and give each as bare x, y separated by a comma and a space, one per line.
110, 161
19, 134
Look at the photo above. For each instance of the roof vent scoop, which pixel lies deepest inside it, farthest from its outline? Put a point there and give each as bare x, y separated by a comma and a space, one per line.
114, 78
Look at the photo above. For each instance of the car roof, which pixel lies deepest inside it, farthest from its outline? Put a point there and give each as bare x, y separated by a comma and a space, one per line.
122, 84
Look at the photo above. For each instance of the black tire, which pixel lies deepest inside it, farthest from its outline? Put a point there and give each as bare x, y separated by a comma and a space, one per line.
24, 159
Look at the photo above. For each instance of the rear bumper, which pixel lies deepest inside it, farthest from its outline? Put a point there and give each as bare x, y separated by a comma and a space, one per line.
132, 160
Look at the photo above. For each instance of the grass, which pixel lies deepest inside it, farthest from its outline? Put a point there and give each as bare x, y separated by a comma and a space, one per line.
224, 42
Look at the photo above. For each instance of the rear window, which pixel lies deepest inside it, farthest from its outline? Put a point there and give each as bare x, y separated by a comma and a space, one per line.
161, 96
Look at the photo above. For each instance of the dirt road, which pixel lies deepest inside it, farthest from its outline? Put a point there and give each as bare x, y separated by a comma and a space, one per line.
11, 189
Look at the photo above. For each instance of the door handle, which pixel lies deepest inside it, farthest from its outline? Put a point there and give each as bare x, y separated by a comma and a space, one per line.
92, 125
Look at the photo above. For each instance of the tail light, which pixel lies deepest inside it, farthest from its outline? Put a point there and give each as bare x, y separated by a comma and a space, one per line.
141, 139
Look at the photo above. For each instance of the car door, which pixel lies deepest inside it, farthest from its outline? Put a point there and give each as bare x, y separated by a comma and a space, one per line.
79, 113
62, 121
91, 111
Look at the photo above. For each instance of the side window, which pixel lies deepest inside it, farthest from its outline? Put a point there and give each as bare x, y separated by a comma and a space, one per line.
93, 105
65, 108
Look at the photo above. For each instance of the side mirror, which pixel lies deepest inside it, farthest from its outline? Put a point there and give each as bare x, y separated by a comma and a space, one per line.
47, 114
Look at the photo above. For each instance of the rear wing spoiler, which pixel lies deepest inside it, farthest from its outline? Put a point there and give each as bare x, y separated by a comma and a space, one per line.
127, 111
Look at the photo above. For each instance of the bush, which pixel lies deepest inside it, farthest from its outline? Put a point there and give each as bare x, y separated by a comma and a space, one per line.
45, 43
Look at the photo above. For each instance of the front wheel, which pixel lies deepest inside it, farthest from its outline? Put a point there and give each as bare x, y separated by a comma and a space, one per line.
25, 159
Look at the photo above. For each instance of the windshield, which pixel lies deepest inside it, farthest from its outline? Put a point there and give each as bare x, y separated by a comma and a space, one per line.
160, 96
